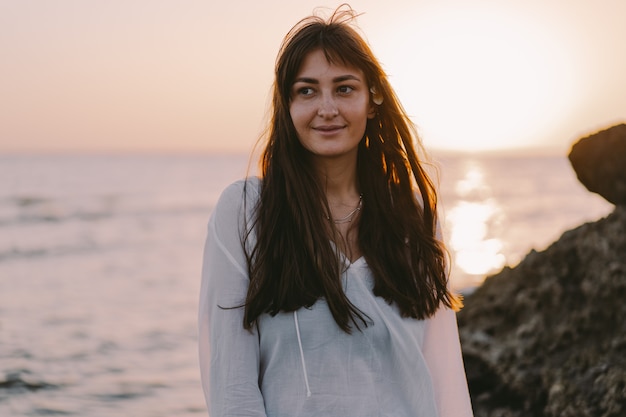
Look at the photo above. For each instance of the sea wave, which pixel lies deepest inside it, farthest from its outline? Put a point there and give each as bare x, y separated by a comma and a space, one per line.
30, 210
15, 381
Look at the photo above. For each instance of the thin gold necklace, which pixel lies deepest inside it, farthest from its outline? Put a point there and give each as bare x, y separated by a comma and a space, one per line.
348, 217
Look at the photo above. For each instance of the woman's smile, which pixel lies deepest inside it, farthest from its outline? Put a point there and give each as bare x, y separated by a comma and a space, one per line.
329, 130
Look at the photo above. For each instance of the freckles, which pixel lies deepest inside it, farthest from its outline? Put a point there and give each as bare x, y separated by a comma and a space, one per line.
300, 112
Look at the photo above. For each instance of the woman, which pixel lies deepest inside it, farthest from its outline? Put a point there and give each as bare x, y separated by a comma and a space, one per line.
324, 289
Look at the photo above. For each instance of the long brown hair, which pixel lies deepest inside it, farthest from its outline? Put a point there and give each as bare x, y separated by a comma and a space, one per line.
292, 264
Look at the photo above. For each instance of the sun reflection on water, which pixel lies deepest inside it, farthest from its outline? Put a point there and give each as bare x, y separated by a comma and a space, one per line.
473, 224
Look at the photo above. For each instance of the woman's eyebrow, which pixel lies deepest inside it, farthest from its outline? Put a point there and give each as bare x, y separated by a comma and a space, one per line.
306, 80
338, 79
347, 77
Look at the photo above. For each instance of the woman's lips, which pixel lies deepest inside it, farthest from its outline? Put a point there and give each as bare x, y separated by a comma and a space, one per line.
328, 130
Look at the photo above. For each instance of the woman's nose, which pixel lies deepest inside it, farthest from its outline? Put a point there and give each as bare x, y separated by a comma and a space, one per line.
328, 107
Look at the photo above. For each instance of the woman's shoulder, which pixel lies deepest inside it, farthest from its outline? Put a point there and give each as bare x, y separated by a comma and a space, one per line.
238, 191
239, 197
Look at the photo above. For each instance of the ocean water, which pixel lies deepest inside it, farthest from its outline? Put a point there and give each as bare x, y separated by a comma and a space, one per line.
100, 260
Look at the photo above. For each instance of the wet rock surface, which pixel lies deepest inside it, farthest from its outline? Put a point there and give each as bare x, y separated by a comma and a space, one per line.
548, 337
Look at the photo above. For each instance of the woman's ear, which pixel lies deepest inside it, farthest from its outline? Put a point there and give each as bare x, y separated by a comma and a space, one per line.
377, 100
376, 97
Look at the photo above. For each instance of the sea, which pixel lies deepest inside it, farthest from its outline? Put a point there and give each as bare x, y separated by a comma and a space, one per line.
100, 259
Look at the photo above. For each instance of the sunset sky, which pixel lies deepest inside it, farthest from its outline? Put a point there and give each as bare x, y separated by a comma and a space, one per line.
192, 75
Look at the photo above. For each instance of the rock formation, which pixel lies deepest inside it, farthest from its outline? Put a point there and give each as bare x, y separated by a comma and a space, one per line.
548, 337
600, 163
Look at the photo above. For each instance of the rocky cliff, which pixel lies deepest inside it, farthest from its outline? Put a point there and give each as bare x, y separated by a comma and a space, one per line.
548, 337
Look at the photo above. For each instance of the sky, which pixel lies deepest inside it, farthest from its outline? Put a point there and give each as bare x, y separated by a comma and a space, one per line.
195, 76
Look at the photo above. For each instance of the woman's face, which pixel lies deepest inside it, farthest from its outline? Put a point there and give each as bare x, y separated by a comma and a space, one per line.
329, 107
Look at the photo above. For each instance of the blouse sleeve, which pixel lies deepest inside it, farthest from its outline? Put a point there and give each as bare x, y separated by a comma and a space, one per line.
229, 354
442, 352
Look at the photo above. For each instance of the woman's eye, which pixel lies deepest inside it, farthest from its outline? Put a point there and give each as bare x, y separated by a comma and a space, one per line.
305, 91
345, 89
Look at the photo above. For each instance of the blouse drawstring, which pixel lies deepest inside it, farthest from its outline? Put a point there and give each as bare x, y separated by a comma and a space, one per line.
306, 378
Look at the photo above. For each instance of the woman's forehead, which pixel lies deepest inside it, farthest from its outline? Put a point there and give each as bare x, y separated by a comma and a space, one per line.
318, 62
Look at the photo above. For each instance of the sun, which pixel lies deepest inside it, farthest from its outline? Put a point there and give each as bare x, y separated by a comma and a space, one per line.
481, 79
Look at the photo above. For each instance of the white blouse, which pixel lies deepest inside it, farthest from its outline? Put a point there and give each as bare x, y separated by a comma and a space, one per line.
301, 364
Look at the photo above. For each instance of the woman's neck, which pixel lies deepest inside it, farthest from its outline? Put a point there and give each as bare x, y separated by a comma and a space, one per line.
339, 180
